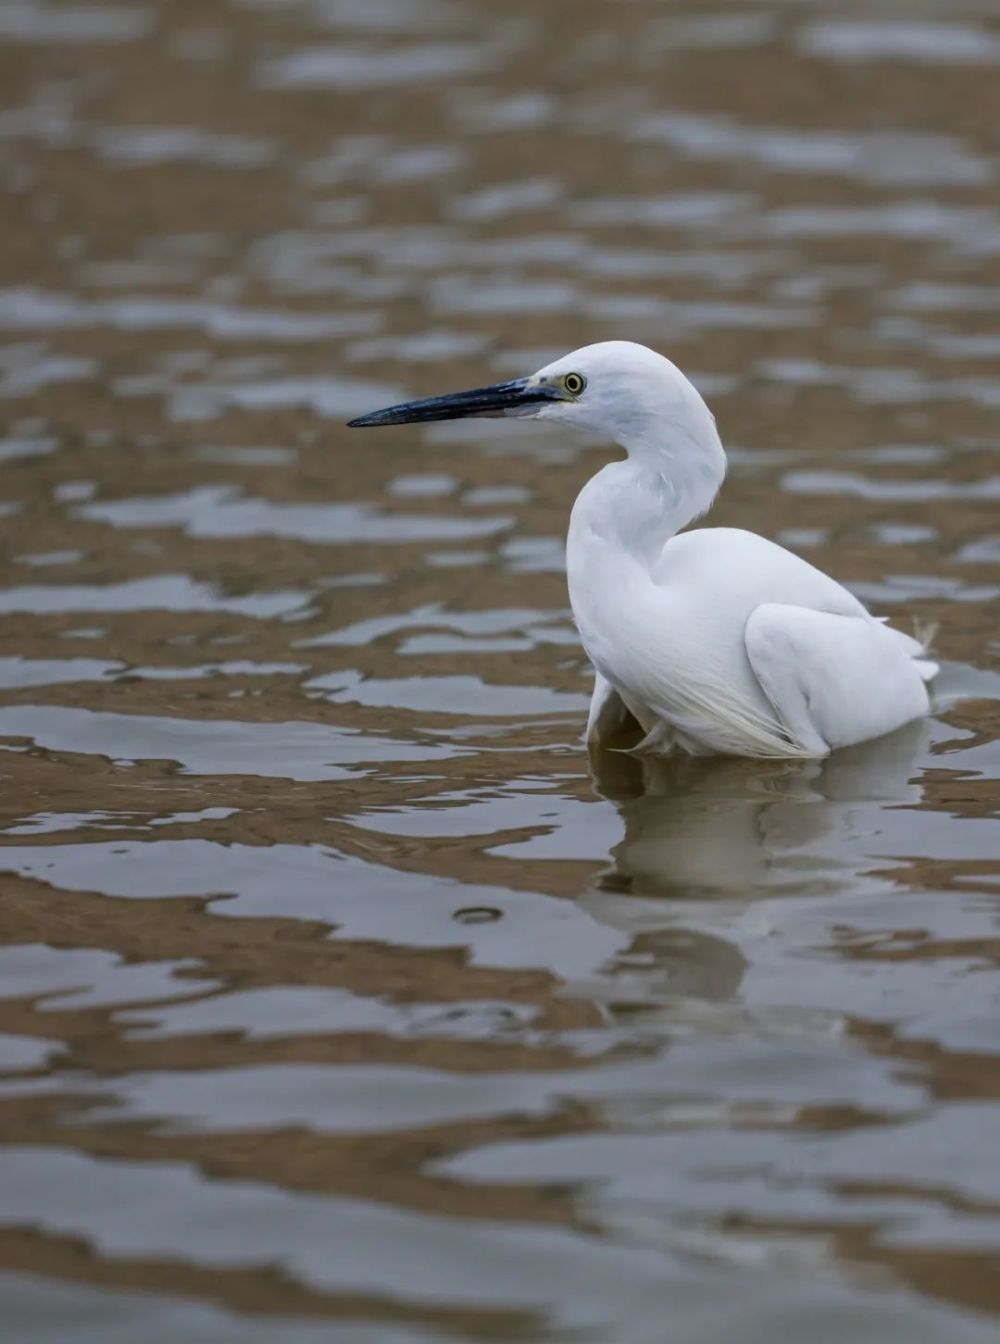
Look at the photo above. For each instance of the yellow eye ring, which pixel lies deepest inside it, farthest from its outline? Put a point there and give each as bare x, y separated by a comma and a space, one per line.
574, 383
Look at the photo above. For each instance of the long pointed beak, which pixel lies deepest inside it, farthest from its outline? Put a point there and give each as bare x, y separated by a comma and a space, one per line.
514, 398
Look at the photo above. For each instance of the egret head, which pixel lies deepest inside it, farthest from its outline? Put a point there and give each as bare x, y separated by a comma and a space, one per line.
615, 388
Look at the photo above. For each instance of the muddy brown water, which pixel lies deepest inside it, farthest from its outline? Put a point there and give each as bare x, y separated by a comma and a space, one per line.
341, 996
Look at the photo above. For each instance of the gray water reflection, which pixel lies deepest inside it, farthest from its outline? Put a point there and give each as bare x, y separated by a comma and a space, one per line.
340, 994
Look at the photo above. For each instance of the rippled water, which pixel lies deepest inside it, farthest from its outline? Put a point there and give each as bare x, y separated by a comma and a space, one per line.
341, 997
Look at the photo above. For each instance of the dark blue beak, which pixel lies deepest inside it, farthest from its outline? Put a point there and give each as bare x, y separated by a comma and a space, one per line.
499, 399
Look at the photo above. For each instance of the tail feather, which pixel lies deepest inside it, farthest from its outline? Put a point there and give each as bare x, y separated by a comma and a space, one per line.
917, 645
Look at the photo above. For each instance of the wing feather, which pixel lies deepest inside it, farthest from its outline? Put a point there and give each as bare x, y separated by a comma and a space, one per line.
835, 680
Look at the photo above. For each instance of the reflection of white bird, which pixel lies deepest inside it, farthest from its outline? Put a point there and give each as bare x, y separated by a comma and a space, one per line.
745, 829
716, 641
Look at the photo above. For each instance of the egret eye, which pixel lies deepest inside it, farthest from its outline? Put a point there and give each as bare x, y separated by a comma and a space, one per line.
574, 383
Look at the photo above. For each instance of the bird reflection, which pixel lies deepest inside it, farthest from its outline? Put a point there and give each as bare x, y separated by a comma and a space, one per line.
719, 830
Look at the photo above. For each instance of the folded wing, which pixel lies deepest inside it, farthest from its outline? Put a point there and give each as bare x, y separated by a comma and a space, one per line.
835, 680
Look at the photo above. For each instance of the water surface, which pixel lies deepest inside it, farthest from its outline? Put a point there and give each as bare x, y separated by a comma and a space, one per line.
341, 996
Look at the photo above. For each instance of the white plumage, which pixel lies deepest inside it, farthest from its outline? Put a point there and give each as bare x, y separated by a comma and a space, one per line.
717, 641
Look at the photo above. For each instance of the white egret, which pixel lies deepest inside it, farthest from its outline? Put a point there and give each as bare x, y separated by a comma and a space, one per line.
716, 640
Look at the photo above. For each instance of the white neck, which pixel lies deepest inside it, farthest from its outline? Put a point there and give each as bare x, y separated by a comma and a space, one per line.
639, 504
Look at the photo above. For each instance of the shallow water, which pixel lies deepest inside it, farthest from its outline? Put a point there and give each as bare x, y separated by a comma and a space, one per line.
341, 997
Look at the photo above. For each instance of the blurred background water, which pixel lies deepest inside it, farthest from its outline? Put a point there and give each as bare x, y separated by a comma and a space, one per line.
341, 997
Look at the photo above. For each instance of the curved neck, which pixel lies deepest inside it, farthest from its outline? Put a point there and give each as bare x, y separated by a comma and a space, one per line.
639, 504
676, 465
